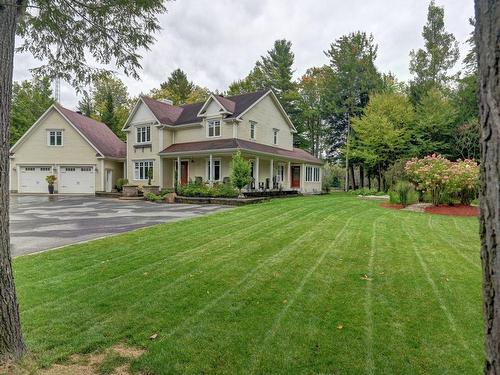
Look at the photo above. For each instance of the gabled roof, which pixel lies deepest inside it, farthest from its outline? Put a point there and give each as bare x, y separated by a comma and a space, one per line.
233, 144
97, 134
168, 114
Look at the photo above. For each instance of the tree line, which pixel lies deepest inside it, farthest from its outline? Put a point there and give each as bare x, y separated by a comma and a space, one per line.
346, 111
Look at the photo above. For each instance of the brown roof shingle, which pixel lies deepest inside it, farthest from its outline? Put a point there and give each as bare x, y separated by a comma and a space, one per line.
188, 113
101, 137
240, 144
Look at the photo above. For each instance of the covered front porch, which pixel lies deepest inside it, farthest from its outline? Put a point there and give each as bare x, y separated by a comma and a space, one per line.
268, 173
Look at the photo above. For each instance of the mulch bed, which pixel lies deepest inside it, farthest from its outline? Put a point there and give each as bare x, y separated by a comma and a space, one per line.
460, 210
394, 206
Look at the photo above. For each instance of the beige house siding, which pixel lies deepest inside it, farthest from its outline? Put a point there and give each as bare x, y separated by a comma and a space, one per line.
34, 150
268, 117
143, 117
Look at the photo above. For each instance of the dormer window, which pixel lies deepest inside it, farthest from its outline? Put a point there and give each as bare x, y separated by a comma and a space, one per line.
213, 128
275, 136
55, 137
253, 130
143, 134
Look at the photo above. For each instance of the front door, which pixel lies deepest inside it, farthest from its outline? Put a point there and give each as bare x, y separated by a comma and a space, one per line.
109, 180
184, 172
295, 176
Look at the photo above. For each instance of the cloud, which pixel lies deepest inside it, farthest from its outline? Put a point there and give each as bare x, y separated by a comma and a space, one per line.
218, 41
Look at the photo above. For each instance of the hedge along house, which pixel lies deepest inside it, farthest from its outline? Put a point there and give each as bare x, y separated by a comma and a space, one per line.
196, 142
84, 154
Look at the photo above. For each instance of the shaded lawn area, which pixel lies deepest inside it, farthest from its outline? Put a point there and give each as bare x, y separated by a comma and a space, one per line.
326, 284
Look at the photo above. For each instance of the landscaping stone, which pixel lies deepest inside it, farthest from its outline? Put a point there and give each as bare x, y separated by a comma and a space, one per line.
154, 189
130, 191
170, 197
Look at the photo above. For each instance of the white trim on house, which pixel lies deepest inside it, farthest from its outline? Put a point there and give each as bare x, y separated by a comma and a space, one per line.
277, 102
134, 110
53, 106
205, 105
207, 169
49, 131
215, 119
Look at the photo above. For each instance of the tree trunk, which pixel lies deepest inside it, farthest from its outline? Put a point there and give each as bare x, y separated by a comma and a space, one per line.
361, 176
369, 181
11, 340
351, 167
487, 40
379, 179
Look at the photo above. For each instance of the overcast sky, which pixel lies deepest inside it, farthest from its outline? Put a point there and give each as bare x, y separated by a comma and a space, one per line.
218, 41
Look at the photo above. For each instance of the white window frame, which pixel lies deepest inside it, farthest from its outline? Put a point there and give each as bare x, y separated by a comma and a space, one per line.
214, 160
211, 124
253, 130
56, 133
275, 136
146, 164
312, 174
143, 134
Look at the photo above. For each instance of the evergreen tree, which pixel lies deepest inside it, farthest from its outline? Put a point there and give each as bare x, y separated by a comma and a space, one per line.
180, 90
107, 102
30, 99
431, 65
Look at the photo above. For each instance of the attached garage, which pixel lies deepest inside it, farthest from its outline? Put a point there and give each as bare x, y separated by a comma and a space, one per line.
84, 155
32, 179
76, 180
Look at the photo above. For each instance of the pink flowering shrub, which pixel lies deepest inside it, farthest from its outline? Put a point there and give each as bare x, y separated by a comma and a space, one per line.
439, 176
464, 180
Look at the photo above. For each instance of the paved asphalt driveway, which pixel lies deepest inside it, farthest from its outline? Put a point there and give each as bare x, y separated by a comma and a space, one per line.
43, 222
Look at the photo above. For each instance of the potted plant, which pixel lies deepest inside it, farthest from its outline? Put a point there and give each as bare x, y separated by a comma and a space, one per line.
51, 179
154, 189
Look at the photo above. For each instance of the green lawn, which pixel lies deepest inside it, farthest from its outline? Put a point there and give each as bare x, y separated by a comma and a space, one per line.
274, 288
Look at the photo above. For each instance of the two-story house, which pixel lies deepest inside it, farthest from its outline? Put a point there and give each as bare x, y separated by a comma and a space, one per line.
196, 142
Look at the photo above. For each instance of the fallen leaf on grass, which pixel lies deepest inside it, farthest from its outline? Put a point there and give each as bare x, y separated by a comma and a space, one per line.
340, 326
153, 336
285, 301
365, 277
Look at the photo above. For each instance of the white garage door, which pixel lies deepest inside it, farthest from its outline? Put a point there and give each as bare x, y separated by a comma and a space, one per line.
76, 180
32, 179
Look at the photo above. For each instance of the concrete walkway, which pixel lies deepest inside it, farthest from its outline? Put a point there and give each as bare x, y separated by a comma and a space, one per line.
44, 222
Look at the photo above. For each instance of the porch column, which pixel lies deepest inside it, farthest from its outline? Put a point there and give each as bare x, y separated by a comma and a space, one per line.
271, 172
211, 168
178, 170
288, 176
302, 176
160, 173
257, 162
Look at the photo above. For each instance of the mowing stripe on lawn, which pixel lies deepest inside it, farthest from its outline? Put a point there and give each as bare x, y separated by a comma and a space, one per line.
155, 264
186, 224
451, 246
277, 321
437, 294
227, 257
266, 263
370, 365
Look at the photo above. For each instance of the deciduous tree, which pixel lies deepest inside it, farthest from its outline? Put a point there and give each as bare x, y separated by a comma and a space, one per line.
62, 34
30, 99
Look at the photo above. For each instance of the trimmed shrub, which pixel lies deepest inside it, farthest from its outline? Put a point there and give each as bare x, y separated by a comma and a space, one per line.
194, 189
153, 197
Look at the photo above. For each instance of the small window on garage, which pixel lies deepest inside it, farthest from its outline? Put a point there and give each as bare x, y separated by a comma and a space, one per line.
86, 169
55, 137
